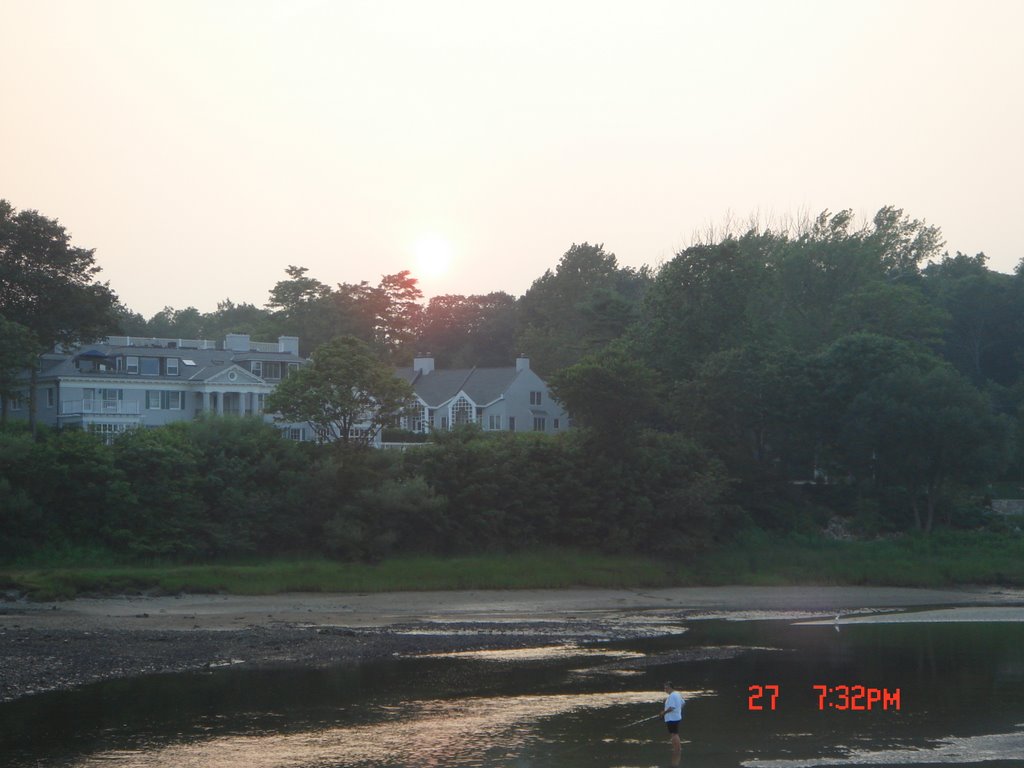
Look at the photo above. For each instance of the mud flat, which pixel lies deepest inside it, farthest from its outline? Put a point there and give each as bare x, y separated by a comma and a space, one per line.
55, 646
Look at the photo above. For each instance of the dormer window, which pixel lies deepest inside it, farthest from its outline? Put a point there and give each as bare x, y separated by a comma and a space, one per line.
150, 366
257, 367
172, 366
131, 364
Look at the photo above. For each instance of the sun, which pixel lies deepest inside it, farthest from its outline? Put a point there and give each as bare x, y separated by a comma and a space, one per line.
434, 256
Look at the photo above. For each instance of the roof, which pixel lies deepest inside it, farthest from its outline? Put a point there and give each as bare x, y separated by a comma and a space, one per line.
203, 365
482, 385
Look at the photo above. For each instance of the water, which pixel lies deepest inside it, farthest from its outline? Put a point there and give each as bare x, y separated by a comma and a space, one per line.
961, 702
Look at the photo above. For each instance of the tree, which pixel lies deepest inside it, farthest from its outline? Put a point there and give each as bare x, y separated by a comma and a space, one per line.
399, 313
304, 307
842, 372
343, 389
581, 307
49, 286
463, 331
611, 393
924, 432
708, 298
983, 338
892, 309
171, 323
752, 406
18, 350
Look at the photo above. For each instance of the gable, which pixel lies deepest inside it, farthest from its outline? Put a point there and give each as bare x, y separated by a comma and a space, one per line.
228, 375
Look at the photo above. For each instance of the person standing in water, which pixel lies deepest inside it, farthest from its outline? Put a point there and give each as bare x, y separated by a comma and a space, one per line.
673, 713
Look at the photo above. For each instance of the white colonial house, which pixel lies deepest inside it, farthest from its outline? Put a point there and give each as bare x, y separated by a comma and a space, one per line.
126, 382
513, 399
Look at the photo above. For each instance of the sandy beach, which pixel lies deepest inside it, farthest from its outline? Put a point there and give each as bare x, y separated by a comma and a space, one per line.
55, 646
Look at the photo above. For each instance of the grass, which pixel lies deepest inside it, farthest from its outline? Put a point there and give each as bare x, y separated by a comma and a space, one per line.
515, 571
942, 560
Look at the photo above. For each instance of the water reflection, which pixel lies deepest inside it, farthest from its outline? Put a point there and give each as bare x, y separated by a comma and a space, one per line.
427, 734
952, 750
562, 707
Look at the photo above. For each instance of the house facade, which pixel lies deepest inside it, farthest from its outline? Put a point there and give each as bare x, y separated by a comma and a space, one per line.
512, 399
127, 382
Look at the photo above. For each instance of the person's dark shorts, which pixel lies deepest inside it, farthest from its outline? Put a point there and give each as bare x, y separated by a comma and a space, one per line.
673, 725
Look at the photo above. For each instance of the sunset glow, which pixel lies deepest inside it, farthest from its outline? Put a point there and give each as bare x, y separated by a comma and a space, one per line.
434, 256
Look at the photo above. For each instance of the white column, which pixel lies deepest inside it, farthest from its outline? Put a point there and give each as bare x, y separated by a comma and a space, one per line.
220, 403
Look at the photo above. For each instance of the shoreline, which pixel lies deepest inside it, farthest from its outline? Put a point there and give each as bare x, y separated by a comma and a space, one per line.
47, 647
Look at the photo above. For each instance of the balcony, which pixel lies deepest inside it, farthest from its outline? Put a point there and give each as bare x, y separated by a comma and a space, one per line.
112, 407
153, 341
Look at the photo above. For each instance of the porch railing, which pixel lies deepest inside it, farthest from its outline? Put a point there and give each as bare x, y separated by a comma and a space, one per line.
119, 407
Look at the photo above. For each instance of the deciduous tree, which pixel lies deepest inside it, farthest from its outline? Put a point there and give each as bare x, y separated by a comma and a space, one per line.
343, 389
49, 286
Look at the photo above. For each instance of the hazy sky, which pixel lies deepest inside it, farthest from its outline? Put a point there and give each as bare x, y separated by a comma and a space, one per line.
201, 147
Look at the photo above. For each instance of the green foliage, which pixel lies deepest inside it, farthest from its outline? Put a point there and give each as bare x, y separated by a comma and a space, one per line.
924, 432
611, 392
578, 309
48, 285
467, 331
539, 569
18, 350
343, 388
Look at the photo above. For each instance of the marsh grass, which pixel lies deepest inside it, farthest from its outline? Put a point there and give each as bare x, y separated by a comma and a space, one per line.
942, 560
541, 570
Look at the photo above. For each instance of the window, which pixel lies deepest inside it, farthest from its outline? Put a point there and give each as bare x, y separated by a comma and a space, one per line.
462, 411
494, 421
271, 370
110, 399
444, 422
152, 399
172, 366
292, 368
511, 423
257, 367
108, 431
296, 433
50, 393
131, 364
174, 401
16, 401
188, 362
539, 424
417, 418
535, 398
150, 366
556, 423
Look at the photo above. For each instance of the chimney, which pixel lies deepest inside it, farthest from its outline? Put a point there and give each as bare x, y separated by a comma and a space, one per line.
423, 365
522, 363
237, 342
288, 344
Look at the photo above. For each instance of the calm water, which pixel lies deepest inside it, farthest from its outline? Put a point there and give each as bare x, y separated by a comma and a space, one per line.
961, 689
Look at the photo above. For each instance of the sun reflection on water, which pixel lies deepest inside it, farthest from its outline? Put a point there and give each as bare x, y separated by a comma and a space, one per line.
470, 733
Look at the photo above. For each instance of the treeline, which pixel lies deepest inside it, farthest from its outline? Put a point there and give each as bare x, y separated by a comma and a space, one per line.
863, 359
230, 487
588, 301
775, 378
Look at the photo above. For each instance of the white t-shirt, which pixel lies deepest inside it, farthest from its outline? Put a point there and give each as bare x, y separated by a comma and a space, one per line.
675, 703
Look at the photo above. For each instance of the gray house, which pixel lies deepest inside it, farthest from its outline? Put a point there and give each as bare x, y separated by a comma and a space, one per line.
127, 382
514, 399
